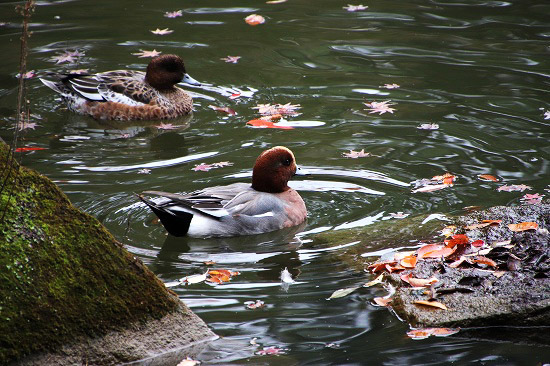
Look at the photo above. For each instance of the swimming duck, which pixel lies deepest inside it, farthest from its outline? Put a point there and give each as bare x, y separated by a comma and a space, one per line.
268, 204
127, 94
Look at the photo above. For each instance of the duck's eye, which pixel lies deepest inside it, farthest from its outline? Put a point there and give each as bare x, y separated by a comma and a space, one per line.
287, 162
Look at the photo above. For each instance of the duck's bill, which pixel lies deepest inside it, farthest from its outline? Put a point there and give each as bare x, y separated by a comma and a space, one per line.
189, 80
301, 171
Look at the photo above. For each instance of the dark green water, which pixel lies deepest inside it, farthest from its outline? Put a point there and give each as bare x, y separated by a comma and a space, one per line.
479, 69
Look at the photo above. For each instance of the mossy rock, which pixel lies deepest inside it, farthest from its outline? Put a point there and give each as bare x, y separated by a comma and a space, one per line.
62, 274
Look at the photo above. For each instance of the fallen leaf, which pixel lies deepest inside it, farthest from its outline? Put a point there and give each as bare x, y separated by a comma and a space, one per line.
355, 7
513, 188
382, 301
173, 14
458, 262
448, 230
380, 266
209, 263
162, 32
286, 277
390, 86
398, 215
223, 109
262, 123
422, 282
428, 126
144, 171
408, 262
374, 282
459, 239
484, 260
198, 278
188, 362
435, 304
271, 351
231, 59
27, 75
286, 109
252, 305
356, 154
522, 226
426, 332
444, 332
254, 19
499, 274
143, 53
488, 177
430, 188
532, 199
418, 334
342, 292
492, 222
29, 148
478, 243
202, 167
379, 107
434, 251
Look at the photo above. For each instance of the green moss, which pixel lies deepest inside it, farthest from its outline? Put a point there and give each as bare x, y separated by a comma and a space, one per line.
62, 274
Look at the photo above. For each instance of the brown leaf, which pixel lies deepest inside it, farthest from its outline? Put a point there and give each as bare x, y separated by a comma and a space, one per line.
422, 282
435, 304
408, 261
488, 177
382, 301
254, 19
484, 260
522, 226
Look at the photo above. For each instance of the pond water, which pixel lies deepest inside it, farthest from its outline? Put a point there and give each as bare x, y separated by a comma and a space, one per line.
479, 69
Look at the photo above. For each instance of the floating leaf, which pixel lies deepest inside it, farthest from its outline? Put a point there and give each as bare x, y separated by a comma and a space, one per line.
173, 14
286, 109
390, 86
355, 7
428, 126
418, 334
513, 188
271, 351
435, 304
29, 148
194, 278
489, 177
382, 301
379, 107
142, 53
252, 305
356, 154
532, 199
231, 59
522, 226
342, 292
162, 32
262, 123
426, 332
374, 282
254, 19
223, 109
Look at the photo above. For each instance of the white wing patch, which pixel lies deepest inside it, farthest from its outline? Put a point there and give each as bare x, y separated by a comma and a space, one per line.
112, 96
265, 214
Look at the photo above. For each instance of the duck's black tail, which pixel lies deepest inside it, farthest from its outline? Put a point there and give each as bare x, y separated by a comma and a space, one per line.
175, 222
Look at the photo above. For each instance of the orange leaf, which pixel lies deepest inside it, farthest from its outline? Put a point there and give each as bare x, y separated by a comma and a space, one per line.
216, 272
458, 262
214, 279
254, 19
261, 123
408, 261
435, 304
478, 243
488, 177
522, 226
394, 268
382, 301
434, 251
422, 282
449, 180
477, 226
420, 333
380, 266
484, 260
405, 277
457, 240
444, 332
32, 148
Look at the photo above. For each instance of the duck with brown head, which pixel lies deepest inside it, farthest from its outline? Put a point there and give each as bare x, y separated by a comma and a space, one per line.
129, 94
237, 209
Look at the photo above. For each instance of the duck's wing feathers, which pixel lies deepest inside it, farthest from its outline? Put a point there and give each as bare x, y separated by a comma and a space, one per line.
211, 206
120, 86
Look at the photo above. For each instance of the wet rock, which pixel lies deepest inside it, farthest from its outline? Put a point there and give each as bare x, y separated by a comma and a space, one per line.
69, 292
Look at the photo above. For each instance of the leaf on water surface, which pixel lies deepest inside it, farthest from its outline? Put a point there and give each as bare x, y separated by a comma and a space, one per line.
262, 123
513, 188
202, 167
144, 171
488, 177
143, 53
424, 333
398, 215
547, 115
523, 226
26, 126
162, 32
382, 301
428, 126
198, 278
231, 59
355, 7
173, 14
254, 19
374, 282
379, 107
435, 304
29, 148
391, 86
285, 109
356, 154
27, 75
272, 350
532, 199
220, 275
252, 305
223, 109
286, 277
430, 188
209, 263
342, 292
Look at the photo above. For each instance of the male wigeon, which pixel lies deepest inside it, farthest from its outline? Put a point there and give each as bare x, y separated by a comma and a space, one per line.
237, 209
127, 94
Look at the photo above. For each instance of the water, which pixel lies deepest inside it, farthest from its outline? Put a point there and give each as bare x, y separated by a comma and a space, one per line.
479, 69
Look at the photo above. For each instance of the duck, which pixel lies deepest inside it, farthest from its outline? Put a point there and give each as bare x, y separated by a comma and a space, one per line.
128, 94
265, 205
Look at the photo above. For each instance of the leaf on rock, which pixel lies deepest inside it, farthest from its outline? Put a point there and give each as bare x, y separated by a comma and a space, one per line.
478, 243
484, 260
422, 282
342, 292
382, 301
434, 251
435, 304
523, 226
408, 261
532, 199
